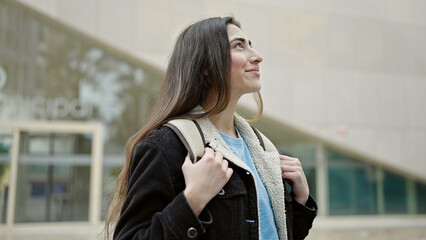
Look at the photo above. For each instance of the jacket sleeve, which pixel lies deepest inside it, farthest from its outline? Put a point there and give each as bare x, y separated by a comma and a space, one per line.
303, 217
152, 208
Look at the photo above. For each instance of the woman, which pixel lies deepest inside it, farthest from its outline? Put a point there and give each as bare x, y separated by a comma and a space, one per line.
236, 190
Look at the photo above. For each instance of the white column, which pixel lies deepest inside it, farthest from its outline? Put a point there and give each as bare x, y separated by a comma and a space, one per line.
380, 191
10, 217
411, 196
95, 204
322, 180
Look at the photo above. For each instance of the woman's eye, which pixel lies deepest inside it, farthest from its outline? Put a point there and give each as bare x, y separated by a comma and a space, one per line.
238, 45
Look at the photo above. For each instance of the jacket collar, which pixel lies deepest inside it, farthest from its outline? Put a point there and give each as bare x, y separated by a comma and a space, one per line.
267, 165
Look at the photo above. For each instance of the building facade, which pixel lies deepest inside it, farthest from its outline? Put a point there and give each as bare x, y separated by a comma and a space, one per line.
343, 91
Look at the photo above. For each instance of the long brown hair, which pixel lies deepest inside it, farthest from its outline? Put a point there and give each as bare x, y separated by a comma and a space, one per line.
200, 65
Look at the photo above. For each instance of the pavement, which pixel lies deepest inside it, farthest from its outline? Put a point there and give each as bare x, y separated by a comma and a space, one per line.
405, 233
50, 232
329, 228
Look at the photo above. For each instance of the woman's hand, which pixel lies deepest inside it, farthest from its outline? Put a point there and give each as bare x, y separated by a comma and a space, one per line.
205, 178
292, 170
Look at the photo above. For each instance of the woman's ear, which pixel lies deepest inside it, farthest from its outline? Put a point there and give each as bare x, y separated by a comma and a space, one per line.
206, 72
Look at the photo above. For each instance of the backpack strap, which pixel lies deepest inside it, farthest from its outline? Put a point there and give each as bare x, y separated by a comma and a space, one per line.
191, 135
266, 144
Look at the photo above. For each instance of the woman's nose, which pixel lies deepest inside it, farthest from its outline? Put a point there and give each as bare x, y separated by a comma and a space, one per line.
256, 57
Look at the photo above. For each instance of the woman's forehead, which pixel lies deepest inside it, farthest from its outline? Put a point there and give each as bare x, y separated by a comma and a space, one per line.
234, 31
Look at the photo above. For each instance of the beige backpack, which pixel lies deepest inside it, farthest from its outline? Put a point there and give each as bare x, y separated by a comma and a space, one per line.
191, 135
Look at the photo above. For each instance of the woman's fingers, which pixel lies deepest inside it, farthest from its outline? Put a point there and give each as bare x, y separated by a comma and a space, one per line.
229, 172
208, 153
224, 165
291, 168
293, 176
286, 157
217, 155
205, 178
290, 164
290, 160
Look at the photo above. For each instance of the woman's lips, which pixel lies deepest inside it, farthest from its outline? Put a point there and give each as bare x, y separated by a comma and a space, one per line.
254, 71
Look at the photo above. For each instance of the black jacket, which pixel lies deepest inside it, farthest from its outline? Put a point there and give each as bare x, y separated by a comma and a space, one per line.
155, 207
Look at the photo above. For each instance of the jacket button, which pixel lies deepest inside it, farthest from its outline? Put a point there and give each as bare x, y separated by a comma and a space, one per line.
192, 232
221, 192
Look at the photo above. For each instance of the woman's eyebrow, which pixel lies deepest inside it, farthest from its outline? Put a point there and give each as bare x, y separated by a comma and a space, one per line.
243, 40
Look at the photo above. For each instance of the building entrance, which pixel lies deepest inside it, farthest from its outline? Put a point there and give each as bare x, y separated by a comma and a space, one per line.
50, 172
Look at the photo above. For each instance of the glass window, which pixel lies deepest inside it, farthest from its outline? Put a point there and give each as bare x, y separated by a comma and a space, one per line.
53, 177
352, 186
5, 148
395, 193
110, 173
421, 198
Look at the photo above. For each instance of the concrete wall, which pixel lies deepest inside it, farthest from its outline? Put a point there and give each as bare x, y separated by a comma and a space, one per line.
350, 71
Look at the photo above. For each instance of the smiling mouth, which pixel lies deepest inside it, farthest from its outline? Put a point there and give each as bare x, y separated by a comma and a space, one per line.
254, 72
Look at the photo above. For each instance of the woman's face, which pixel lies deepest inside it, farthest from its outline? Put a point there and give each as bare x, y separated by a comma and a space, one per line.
245, 74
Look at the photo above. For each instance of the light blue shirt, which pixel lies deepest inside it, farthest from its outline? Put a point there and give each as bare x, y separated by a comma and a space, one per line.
268, 229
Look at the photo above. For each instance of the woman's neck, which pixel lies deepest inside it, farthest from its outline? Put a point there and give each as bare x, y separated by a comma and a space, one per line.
224, 121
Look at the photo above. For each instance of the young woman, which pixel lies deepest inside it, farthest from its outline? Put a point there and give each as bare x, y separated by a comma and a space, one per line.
236, 190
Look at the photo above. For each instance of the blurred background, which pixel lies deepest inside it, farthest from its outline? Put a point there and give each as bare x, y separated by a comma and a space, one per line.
344, 90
